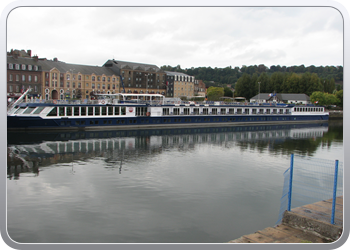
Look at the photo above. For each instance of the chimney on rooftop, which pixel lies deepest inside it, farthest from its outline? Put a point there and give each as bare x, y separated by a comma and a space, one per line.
55, 59
29, 52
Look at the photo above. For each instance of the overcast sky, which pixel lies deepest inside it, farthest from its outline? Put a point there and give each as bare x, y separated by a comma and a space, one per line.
189, 36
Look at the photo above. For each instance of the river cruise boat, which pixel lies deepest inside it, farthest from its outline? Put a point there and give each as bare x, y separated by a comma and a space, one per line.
115, 111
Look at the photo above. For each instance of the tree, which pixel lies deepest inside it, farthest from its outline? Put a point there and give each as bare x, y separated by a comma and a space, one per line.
214, 93
339, 95
324, 99
228, 92
242, 86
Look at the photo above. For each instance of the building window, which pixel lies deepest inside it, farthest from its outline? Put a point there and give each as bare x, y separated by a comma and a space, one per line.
10, 66
30, 67
79, 85
10, 88
103, 79
29, 78
93, 85
23, 78
35, 78
93, 78
23, 67
67, 84
36, 68
68, 77
79, 77
17, 66
11, 78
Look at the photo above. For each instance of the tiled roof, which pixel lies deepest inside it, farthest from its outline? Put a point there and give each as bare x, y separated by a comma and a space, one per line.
47, 65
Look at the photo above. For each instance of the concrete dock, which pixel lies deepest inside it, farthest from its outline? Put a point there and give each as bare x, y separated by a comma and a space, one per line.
306, 224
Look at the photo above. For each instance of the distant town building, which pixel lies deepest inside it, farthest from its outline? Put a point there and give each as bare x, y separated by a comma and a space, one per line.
201, 91
53, 79
139, 78
180, 84
23, 73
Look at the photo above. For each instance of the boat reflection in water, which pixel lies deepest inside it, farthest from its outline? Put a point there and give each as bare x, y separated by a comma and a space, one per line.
27, 152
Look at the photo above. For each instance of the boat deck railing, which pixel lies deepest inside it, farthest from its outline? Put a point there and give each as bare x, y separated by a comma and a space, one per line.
148, 102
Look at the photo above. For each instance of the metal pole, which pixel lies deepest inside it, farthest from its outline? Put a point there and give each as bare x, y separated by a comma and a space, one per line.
334, 190
290, 181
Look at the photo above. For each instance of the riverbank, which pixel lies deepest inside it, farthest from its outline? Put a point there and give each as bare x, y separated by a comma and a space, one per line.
335, 114
306, 224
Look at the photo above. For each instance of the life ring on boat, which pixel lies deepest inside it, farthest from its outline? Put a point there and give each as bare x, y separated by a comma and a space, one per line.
102, 102
54, 101
148, 114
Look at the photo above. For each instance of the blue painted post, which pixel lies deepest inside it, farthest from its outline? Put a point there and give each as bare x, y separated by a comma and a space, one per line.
334, 190
290, 181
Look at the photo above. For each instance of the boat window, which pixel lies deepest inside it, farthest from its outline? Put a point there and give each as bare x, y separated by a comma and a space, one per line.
274, 111
231, 111
176, 111
97, 110
165, 111
20, 110
223, 111
281, 111
239, 111
76, 111
69, 111
214, 111
38, 110
246, 111
196, 111
122, 110
83, 110
29, 110
104, 110
268, 111
253, 111
186, 111
53, 112
61, 111
141, 111
205, 111
90, 111
110, 110
261, 111
116, 110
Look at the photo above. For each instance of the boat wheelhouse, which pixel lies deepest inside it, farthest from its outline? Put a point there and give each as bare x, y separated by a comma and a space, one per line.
151, 110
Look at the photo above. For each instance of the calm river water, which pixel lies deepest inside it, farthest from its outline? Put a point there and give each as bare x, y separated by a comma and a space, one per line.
198, 185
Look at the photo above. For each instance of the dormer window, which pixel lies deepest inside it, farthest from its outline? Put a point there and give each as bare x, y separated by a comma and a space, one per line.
36, 68
17, 66
30, 67
23, 67
10, 66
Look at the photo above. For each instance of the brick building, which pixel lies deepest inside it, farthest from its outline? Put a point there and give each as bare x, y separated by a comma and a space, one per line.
139, 78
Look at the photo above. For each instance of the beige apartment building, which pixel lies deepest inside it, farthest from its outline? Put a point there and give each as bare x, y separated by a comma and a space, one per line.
180, 84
